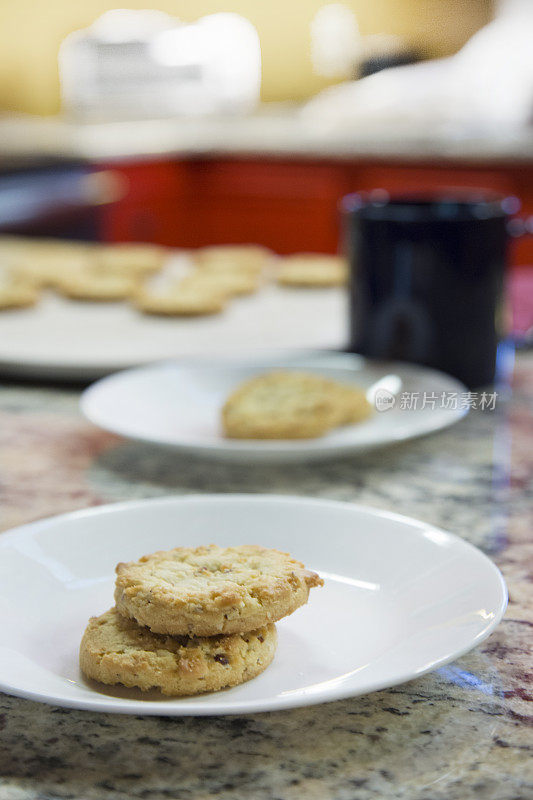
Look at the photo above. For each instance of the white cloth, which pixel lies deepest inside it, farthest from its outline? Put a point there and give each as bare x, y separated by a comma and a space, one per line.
488, 82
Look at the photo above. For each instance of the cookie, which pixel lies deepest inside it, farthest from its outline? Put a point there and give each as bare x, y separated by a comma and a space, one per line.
135, 260
310, 270
189, 301
353, 402
12, 246
228, 282
86, 284
291, 405
16, 292
116, 650
47, 265
205, 591
247, 258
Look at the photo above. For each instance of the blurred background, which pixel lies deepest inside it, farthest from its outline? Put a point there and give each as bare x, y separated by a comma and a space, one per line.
32, 32
190, 124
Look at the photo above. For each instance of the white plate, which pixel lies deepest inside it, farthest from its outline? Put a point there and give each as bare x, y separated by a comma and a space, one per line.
64, 339
400, 598
179, 406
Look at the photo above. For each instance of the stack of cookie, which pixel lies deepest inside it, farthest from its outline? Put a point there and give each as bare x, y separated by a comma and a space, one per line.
194, 620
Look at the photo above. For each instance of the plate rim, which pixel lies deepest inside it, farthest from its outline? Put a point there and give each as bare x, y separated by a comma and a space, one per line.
256, 450
171, 707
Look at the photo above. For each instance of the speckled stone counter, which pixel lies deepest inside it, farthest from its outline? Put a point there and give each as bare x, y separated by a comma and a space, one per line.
462, 732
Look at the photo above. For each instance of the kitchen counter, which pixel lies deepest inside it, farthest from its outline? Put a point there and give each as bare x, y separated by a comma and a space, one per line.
281, 132
461, 732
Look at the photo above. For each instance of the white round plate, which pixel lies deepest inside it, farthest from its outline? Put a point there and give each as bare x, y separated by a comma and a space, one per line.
65, 339
400, 598
178, 406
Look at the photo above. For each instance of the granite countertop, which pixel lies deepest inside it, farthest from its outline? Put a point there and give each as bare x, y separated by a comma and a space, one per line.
278, 131
464, 731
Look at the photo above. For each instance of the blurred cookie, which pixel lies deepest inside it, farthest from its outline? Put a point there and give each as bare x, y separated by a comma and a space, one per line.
11, 246
205, 591
291, 405
178, 301
47, 264
117, 650
86, 284
130, 259
247, 258
16, 292
228, 282
310, 270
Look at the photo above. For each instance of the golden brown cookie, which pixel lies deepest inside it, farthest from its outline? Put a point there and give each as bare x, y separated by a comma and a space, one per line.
231, 283
117, 650
47, 265
11, 246
352, 400
15, 291
134, 260
247, 258
291, 405
178, 301
87, 284
205, 591
312, 271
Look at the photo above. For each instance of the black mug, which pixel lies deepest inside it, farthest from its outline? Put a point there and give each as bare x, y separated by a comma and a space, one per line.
427, 278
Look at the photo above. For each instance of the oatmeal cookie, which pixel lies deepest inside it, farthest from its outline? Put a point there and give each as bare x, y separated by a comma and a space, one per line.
117, 650
205, 591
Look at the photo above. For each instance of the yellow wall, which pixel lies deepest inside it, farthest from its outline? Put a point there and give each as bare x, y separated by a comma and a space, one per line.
31, 30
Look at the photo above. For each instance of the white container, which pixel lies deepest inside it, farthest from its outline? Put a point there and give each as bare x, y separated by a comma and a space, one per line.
138, 64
